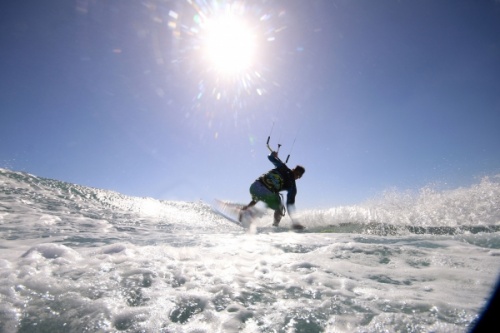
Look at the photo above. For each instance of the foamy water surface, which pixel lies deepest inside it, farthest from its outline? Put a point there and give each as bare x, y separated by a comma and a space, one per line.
77, 259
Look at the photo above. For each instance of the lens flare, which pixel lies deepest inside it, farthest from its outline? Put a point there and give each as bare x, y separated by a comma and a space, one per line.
227, 47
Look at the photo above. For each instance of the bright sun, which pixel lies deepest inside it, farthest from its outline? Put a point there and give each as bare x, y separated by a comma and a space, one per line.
229, 44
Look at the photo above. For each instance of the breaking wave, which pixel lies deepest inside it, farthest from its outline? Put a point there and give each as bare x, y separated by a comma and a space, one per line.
467, 210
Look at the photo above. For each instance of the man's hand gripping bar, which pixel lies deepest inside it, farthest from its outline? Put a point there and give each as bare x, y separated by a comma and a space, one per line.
271, 150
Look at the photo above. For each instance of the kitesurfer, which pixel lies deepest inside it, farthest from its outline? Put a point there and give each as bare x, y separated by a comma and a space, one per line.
267, 189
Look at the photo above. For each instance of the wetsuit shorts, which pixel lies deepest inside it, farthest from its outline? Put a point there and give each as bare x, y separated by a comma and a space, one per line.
261, 193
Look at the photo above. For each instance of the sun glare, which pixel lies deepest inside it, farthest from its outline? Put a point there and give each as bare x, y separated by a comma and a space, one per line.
229, 44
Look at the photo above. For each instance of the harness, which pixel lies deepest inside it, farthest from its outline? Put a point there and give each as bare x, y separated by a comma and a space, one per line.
274, 182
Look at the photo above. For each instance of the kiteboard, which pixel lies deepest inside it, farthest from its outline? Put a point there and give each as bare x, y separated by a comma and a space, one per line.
233, 212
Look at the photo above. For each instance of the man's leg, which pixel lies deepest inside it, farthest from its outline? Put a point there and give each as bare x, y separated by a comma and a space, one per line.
240, 215
277, 218
255, 199
278, 214
272, 200
251, 204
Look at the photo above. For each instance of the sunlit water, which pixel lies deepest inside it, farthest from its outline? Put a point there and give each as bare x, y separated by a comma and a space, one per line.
77, 259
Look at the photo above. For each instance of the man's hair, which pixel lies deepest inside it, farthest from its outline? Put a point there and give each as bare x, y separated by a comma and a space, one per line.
300, 169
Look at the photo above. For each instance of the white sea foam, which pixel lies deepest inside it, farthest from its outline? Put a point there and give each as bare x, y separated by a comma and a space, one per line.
76, 259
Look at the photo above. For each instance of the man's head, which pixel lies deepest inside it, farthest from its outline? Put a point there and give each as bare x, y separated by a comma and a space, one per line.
298, 171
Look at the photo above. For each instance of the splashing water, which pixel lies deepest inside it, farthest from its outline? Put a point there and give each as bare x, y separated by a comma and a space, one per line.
78, 259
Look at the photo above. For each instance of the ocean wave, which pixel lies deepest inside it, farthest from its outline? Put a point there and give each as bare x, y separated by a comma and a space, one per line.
51, 206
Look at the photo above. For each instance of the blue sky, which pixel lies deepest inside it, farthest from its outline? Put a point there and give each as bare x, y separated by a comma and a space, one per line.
367, 95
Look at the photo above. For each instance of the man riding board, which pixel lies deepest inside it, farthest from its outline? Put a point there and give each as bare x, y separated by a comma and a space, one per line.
267, 189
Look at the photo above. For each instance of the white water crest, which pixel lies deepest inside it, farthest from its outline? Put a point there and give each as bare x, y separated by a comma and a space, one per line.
79, 259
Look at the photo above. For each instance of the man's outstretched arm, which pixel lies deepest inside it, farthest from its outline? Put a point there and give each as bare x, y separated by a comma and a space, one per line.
290, 201
273, 157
